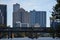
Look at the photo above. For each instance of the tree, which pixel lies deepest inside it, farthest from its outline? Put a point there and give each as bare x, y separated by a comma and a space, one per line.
56, 11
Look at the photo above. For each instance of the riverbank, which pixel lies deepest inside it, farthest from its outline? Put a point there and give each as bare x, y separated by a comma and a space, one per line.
26, 38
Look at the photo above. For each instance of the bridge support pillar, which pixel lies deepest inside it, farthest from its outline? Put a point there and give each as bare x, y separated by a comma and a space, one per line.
0, 35
12, 35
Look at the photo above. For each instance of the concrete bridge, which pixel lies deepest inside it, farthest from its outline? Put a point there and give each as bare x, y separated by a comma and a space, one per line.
11, 31
26, 29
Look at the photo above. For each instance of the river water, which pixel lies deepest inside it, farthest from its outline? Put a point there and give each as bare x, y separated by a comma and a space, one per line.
26, 38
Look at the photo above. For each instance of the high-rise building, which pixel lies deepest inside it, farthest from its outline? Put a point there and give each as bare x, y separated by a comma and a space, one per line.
1, 17
16, 18
20, 15
16, 7
37, 17
32, 18
3, 14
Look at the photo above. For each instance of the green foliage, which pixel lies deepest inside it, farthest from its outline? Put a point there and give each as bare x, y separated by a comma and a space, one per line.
57, 6
2, 25
58, 1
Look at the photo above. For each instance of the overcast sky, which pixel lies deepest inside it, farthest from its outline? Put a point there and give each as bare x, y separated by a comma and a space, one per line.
38, 5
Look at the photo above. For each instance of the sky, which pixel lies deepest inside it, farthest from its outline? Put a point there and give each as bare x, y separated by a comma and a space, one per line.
38, 5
